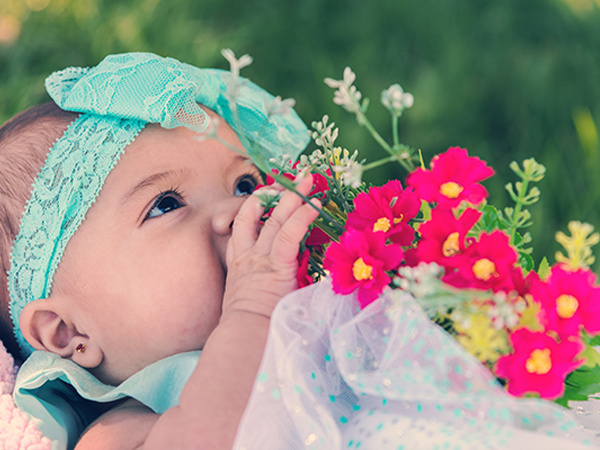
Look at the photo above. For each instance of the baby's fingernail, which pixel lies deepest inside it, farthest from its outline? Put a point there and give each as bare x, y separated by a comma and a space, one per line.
277, 186
301, 175
273, 190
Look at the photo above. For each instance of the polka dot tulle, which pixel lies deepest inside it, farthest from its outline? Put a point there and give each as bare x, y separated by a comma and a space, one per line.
385, 377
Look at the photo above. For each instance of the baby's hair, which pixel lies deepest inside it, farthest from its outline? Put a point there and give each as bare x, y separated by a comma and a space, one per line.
24, 143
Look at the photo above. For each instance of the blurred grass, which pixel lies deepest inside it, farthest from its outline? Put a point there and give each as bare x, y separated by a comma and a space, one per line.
507, 80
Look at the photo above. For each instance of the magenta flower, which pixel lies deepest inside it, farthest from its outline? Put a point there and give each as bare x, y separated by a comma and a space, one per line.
315, 242
360, 261
454, 177
443, 237
521, 283
539, 364
317, 237
487, 264
320, 184
387, 209
303, 277
570, 300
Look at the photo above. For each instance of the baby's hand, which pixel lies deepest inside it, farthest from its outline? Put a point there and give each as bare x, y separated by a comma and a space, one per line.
262, 263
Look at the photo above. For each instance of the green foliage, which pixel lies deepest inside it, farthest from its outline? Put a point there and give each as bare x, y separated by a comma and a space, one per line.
584, 381
544, 268
520, 193
492, 219
507, 80
578, 246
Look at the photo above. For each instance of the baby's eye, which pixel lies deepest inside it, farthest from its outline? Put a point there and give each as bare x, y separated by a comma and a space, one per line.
164, 203
245, 186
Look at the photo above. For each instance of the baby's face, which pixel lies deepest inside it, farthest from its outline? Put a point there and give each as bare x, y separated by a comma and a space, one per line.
144, 275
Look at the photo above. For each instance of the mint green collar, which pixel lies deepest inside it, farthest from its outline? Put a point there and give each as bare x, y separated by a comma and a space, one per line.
63, 398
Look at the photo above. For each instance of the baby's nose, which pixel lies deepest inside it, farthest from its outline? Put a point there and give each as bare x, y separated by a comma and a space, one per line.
222, 220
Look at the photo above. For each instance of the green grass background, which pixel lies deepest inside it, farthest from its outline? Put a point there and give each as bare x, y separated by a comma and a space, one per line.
507, 79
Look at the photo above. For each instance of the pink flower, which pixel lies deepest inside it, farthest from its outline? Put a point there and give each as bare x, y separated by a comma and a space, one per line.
454, 177
319, 181
360, 261
317, 237
388, 209
522, 284
315, 242
487, 264
443, 237
303, 277
569, 300
538, 364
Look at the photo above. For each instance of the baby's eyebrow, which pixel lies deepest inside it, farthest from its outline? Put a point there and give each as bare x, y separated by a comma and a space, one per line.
148, 181
241, 158
170, 174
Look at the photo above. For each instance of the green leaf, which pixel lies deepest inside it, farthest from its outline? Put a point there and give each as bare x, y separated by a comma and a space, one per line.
421, 162
511, 192
526, 262
584, 378
514, 166
425, 210
580, 384
490, 219
592, 357
544, 268
595, 341
570, 395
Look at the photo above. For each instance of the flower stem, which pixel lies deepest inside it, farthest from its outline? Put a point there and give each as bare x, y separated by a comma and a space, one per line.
518, 207
384, 144
376, 135
338, 186
334, 228
378, 163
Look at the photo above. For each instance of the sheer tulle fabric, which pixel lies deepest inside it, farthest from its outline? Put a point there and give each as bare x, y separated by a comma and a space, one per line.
384, 377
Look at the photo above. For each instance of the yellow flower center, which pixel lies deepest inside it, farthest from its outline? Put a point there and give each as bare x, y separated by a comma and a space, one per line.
484, 269
362, 271
450, 247
566, 306
539, 362
451, 189
382, 224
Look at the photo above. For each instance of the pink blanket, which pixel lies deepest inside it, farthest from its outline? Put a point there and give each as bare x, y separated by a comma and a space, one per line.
17, 431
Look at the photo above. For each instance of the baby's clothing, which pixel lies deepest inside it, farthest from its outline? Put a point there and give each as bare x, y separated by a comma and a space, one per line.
385, 377
333, 377
64, 399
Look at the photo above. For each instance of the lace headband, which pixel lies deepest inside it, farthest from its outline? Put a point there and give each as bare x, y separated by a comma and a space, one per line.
117, 99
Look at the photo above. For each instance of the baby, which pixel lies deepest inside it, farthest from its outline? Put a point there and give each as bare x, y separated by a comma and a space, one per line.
141, 246
142, 284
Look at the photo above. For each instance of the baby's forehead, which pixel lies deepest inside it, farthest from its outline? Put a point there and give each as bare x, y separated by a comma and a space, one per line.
157, 147
216, 129
153, 133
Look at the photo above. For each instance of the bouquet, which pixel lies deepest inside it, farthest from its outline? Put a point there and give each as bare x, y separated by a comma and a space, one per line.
466, 262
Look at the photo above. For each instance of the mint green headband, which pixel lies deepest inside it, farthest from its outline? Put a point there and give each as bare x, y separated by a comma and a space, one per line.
117, 99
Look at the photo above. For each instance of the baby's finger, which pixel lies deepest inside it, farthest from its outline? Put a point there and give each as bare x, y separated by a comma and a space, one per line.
287, 241
290, 201
245, 225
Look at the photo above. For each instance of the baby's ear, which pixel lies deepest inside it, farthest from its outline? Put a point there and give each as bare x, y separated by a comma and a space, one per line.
47, 328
